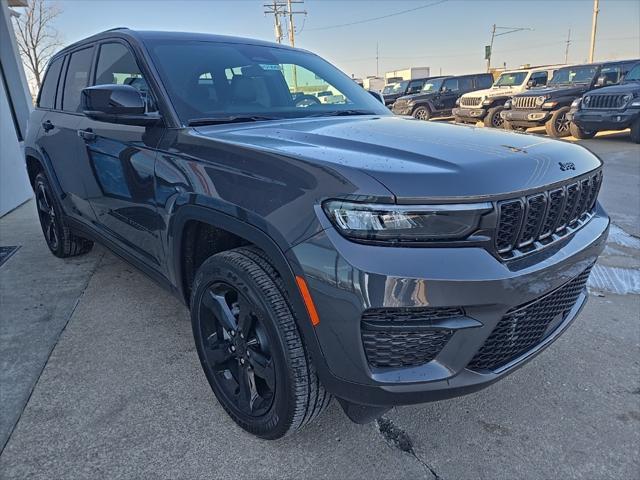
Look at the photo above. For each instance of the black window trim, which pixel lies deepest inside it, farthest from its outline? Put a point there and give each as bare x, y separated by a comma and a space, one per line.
44, 80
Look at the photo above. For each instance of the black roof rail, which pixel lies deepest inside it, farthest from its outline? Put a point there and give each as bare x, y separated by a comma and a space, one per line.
116, 28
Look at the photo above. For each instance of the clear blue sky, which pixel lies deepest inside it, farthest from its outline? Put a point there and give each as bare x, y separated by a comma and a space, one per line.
448, 36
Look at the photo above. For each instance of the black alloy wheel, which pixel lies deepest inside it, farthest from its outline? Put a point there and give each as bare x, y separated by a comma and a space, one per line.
558, 125
47, 215
237, 349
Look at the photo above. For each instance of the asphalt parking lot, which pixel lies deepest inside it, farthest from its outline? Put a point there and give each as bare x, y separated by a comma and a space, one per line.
100, 379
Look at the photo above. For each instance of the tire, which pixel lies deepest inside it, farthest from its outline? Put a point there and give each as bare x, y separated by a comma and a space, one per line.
59, 238
558, 125
422, 113
635, 131
493, 118
264, 379
579, 133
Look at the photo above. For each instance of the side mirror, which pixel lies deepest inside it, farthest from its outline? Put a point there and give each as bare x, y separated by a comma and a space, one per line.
377, 95
601, 81
531, 84
116, 104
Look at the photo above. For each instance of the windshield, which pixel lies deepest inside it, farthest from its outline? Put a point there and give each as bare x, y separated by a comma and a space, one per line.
633, 75
214, 80
571, 75
432, 85
388, 89
510, 79
400, 87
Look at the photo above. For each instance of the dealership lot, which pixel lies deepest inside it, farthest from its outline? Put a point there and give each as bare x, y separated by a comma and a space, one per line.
122, 393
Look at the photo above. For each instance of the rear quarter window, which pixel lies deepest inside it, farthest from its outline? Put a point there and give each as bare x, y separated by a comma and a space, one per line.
76, 79
47, 98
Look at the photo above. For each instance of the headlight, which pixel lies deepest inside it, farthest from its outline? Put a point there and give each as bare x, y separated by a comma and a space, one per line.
576, 103
541, 99
405, 223
626, 99
457, 102
507, 104
487, 101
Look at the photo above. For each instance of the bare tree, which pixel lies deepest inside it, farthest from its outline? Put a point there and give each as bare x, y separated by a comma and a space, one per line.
37, 39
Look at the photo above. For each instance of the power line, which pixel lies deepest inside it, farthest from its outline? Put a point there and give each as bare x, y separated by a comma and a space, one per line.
358, 22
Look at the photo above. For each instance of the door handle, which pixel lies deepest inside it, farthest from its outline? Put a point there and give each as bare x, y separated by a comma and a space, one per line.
87, 134
47, 125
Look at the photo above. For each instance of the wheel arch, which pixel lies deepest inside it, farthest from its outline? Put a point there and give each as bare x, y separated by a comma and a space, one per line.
37, 161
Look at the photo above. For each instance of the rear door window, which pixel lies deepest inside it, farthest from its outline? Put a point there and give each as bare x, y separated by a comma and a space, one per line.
465, 84
47, 97
76, 79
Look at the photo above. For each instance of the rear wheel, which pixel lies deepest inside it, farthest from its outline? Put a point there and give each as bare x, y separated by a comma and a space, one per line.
59, 238
422, 113
493, 118
249, 345
558, 125
635, 131
579, 133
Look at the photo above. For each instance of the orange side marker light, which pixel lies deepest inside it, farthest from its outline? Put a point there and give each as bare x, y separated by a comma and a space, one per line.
308, 301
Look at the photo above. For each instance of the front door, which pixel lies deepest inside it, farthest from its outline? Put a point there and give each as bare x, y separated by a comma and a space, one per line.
121, 181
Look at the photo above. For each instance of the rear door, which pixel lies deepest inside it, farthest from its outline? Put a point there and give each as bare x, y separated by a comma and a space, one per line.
58, 137
120, 162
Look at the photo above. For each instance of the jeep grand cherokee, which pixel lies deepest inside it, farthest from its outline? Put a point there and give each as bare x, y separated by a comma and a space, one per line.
324, 249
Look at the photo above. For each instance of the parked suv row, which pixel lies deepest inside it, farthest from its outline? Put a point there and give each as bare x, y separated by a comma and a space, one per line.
394, 91
486, 105
550, 106
324, 249
439, 95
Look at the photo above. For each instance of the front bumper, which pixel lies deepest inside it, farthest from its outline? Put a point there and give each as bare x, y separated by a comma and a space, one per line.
474, 114
596, 120
526, 118
405, 109
346, 279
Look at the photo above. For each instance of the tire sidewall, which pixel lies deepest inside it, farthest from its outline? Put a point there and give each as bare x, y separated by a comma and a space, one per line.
491, 114
550, 126
635, 131
427, 113
41, 179
275, 421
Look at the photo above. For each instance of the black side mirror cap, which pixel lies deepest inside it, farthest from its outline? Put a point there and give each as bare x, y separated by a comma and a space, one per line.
116, 104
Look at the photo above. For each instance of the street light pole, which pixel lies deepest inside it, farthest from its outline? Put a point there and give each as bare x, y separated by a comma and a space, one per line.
594, 26
489, 48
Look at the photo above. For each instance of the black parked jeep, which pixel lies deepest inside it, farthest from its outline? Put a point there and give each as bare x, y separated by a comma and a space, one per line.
609, 108
324, 249
549, 106
405, 87
438, 96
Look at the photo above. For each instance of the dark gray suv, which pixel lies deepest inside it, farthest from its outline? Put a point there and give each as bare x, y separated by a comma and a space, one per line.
325, 247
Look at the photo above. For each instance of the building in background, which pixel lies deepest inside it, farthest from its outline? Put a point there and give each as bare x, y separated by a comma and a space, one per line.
410, 73
374, 83
15, 107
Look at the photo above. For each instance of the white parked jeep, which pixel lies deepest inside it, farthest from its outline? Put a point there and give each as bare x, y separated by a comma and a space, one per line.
487, 104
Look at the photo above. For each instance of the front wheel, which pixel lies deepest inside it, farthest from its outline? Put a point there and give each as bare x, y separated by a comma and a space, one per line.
558, 125
422, 113
249, 345
579, 133
493, 118
635, 131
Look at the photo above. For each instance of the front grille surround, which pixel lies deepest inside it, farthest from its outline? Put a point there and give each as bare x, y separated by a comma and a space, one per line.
602, 101
470, 101
523, 328
526, 101
531, 222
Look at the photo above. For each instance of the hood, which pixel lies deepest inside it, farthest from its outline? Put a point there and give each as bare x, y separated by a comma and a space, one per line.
630, 87
494, 92
416, 160
564, 91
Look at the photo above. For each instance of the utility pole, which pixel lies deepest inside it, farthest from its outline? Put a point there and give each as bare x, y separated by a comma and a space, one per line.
488, 50
594, 26
284, 8
566, 51
277, 10
377, 59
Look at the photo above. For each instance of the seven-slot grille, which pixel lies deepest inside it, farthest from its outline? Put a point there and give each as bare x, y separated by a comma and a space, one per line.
603, 101
470, 101
528, 223
524, 327
405, 337
524, 102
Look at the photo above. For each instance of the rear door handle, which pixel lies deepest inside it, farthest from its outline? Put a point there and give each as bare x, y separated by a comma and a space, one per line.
47, 125
87, 134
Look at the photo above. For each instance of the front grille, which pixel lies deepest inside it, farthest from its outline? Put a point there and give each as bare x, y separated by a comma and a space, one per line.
524, 327
603, 101
405, 337
529, 223
524, 102
470, 101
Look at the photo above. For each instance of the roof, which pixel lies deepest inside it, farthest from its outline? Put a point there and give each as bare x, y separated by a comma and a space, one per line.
147, 35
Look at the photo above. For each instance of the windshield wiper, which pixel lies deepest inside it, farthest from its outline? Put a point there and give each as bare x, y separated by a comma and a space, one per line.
198, 122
